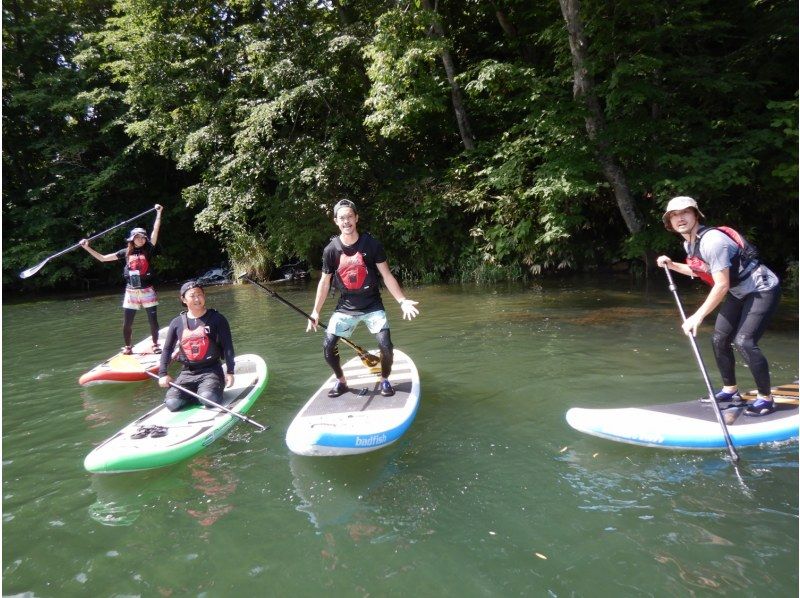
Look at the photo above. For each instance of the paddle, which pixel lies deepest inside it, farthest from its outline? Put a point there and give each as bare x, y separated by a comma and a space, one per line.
368, 359
34, 269
734, 455
211, 403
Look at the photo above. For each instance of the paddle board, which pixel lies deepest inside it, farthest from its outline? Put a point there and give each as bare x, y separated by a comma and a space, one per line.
692, 424
188, 431
123, 368
360, 420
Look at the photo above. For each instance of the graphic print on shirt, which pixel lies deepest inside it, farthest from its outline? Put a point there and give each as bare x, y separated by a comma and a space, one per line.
352, 271
196, 345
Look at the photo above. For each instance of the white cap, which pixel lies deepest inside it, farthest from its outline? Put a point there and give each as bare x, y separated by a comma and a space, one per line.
676, 204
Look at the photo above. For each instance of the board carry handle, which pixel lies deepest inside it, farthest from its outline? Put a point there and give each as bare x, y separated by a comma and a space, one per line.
367, 358
731, 449
211, 403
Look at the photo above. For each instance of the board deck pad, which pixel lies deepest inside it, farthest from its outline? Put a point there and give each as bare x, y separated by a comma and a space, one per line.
360, 419
127, 368
188, 430
693, 424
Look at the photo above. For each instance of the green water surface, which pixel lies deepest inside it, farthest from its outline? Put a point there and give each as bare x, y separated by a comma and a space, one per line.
489, 493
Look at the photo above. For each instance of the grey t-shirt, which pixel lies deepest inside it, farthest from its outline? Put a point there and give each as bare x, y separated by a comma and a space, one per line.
718, 250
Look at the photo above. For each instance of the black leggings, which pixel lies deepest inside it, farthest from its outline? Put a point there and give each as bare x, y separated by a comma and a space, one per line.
127, 324
741, 323
330, 349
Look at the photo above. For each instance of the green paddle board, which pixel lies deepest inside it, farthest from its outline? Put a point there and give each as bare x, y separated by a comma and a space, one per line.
169, 436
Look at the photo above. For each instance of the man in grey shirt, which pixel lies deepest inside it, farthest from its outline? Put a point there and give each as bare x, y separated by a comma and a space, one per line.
747, 290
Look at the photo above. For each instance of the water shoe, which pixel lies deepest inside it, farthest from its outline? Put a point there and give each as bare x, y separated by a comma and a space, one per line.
339, 388
761, 407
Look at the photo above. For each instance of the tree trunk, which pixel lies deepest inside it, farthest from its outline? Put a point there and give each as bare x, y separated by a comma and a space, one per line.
464, 126
583, 88
512, 33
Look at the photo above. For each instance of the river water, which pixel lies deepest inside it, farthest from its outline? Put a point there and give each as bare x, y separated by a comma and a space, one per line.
489, 493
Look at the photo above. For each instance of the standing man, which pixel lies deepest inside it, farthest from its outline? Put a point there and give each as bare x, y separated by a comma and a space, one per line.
204, 339
748, 291
354, 261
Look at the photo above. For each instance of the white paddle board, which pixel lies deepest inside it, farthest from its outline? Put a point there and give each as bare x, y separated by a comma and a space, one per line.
360, 420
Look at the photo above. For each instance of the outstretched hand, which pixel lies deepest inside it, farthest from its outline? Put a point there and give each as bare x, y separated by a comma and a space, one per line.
409, 311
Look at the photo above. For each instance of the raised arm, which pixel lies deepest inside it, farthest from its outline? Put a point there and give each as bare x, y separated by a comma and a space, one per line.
156, 224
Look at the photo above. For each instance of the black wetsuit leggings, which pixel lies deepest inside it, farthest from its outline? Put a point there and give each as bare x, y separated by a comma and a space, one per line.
127, 324
740, 323
330, 348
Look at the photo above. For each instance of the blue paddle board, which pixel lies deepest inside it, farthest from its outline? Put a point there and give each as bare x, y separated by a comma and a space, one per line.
692, 425
360, 420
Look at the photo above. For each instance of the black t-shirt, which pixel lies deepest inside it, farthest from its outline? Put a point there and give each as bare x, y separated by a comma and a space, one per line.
366, 298
140, 260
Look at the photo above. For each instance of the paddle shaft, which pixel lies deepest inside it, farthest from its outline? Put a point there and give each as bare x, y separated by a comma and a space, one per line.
364, 355
734, 455
37, 267
206, 401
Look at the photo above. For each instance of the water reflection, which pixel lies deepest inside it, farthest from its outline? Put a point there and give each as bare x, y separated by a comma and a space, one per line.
201, 487
695, 506
333, 490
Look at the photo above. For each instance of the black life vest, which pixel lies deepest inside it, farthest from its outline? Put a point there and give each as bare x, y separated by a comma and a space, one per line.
197, 349
355, 274
742, 264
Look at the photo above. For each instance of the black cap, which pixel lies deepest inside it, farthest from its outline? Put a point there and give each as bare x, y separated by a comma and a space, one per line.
189, 285
344, 203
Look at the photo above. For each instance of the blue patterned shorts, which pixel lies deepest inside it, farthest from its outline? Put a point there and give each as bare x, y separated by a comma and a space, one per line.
343, 325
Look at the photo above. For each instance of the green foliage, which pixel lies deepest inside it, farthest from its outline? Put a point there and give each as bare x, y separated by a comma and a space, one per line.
248, 120
407, 93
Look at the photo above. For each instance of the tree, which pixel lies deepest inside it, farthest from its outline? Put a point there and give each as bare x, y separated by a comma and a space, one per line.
584, 89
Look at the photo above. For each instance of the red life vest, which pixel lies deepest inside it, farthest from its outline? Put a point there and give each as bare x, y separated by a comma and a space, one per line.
195, 345
352, 274
139, 262
137, 271
744, 262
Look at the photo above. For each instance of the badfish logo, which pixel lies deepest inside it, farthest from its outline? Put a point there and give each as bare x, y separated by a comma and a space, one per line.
371, 440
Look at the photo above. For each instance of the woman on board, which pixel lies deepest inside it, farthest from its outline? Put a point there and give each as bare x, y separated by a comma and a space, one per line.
138, 274
746, 289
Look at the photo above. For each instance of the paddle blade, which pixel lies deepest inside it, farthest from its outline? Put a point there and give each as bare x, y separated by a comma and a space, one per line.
370, 360
33, 270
